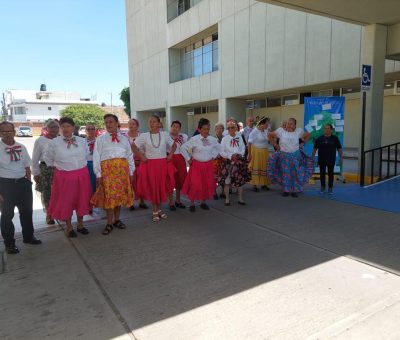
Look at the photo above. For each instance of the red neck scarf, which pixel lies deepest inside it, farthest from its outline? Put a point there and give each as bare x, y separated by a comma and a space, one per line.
70, 141
235, 142
114, 137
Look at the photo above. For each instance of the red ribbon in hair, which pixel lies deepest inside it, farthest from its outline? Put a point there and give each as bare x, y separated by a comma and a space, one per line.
114, 137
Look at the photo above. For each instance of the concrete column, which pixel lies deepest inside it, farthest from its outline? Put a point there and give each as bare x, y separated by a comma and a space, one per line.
231, 108
177, 113
373, 53
143, 118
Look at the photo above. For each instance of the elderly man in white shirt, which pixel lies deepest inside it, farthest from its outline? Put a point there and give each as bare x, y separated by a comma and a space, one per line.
15, 189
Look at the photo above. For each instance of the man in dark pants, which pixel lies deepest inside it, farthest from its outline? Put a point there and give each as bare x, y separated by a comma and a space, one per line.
15, 188
327, 144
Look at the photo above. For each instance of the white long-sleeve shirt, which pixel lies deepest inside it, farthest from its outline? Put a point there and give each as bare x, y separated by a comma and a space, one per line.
105, 149
13, 168
65, 158
203, 149
231, 146
148, 143
39, 149
179, 140
258, 138
289, 141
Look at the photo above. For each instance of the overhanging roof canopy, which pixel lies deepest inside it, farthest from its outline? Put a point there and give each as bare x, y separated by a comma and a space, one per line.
363, 12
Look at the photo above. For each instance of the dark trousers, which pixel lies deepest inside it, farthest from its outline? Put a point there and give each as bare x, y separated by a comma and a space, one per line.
16, 193
322, 172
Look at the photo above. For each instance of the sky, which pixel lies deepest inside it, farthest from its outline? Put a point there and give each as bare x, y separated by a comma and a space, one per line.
69, 45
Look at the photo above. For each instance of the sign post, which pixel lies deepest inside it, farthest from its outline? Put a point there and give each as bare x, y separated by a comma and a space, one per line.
366, 75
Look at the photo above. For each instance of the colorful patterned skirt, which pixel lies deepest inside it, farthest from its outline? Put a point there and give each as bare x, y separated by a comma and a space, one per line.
116, 189
290, 170
70, 191
217, 167
156, 180
258, 166
200, 182
180, 175
92, 176
234, 172
44, 185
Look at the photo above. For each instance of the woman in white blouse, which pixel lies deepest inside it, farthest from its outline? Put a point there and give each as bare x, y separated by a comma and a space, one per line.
234, 170
91, 140
179, 163
258, 154
200, 181
133, 133
156, 171
43, 174
114, 167
71, 183
290, 167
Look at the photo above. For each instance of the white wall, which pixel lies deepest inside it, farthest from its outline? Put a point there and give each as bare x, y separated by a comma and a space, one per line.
262, 48
36, 112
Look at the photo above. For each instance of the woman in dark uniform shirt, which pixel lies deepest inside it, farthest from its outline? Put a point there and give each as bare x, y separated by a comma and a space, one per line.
327, 144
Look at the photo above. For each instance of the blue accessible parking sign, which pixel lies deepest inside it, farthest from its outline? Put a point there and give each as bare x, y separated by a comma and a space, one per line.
366, 77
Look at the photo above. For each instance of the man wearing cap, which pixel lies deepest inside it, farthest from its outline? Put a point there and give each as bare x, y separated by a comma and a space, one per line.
15, 188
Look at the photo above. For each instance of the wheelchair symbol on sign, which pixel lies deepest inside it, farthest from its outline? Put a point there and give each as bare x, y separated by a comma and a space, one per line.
365, 79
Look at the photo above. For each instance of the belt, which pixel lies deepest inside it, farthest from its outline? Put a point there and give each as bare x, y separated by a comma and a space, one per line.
12, 180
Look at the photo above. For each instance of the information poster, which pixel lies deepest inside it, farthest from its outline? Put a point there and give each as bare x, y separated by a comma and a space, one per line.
319, 111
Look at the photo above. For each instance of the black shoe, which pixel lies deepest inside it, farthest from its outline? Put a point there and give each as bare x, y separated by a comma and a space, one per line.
180, 205
192, 208
172, 208
33, 240
227, 204
222, 196
132, 207
82, 230
216, 197
255, 189
242, 203
119, 225
72, 234
143, 206
265, 187
294, 194
12, 250
50, 221
204, 206
285, 194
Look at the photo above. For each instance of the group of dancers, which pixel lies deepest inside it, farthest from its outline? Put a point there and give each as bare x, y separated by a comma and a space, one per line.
112, 170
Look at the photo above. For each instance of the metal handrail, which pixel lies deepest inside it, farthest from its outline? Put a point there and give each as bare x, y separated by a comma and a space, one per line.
391, 171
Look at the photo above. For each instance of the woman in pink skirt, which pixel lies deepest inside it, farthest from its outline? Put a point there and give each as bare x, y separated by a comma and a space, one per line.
179, 163
200, 181
132, 134
71, 188
156, 171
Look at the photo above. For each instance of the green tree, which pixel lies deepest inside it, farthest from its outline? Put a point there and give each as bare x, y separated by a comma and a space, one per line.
125, 96
84, 113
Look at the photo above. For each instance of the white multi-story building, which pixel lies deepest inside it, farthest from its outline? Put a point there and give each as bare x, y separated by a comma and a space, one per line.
220, 58
38, 106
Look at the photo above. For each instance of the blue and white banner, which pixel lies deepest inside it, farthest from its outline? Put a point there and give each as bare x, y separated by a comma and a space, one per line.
319, 111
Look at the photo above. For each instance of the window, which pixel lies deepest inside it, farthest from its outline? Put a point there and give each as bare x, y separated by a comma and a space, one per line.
49, 108
198, 58
202, 110
176, 8
292, 99
19, 110
274, 101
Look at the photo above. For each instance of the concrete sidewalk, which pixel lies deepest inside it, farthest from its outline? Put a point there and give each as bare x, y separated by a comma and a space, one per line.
278, 268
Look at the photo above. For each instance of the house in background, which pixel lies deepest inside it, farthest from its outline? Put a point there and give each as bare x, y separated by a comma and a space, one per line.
39, 106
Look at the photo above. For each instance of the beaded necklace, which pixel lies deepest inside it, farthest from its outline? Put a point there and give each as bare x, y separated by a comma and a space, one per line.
152, 142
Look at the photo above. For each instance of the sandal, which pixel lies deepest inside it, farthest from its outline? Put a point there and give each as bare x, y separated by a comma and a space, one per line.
108, 229
156, 218
71, 233
143, 206
118, 224
82, 230
162, 215
180, 205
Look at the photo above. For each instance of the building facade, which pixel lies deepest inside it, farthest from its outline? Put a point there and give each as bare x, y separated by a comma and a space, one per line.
38, 106
219, 58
